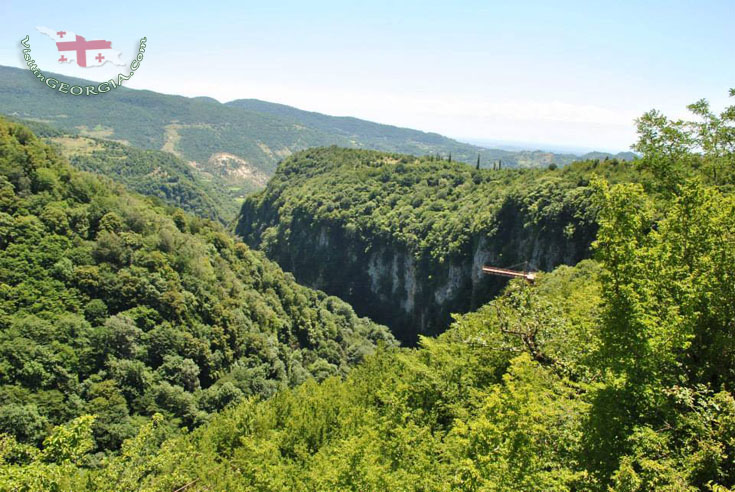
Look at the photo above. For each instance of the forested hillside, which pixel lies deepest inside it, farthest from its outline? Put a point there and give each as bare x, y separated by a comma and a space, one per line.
239, 144
154, 173
403, 239
116, 305
241, 141
383, 137
612, 375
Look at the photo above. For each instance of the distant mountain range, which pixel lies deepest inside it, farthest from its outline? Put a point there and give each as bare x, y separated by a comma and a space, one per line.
240, 142
377, 134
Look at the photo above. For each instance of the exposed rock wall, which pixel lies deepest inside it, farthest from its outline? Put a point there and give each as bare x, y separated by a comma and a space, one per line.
413, 294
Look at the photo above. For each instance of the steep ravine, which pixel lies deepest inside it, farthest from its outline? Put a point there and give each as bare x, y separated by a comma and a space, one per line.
413, 293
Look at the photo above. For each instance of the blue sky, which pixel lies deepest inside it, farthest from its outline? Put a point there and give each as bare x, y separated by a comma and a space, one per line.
564, 74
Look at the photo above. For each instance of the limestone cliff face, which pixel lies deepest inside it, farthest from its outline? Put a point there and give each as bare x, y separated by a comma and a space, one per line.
412, 293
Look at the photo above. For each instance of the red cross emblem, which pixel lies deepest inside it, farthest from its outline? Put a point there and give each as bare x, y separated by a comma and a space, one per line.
81, 45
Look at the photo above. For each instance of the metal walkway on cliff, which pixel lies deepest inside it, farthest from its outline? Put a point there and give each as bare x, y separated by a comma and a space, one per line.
505, 272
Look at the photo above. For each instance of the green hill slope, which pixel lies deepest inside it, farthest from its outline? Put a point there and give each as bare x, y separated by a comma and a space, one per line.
241, 141
154, 173
357, 133
240, 145
113, 304
366, 134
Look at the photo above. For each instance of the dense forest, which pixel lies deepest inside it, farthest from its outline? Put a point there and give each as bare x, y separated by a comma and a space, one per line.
115, 305
403, 238
615, 374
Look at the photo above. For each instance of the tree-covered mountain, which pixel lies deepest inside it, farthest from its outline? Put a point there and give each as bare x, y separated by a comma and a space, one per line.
241, 146
376, 136
404, 239
614, 375
117, 305
241, 141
